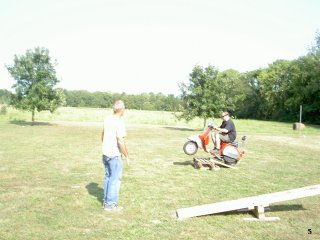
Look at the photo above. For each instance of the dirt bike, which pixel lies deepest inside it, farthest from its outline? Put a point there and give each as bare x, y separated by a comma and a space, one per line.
229, 153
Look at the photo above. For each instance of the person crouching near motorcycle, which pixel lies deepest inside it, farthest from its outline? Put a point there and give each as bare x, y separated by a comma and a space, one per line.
226, 132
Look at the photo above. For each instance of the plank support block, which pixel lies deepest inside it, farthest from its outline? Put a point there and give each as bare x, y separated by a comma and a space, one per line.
258, 211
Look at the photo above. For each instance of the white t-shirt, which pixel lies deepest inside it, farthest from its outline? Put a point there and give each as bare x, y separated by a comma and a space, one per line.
113, 127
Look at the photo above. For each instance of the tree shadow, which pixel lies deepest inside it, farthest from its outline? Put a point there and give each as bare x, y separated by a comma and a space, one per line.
184, 129
26, 123
96, 191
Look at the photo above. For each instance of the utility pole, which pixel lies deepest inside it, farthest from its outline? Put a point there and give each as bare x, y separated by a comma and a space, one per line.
300, 125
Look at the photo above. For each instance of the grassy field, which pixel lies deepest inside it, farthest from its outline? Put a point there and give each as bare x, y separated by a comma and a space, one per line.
51, 179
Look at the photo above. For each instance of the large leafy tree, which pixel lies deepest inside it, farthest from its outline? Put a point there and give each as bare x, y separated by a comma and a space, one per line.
229, 90
285, 85
252, 101
35, 78
305, 86
209, 92
274, 83
196, 96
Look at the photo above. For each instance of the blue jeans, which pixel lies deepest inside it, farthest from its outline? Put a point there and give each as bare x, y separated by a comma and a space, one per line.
112, 179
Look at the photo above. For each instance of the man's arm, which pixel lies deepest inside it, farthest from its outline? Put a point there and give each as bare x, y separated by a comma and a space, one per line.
223, 130
123, 148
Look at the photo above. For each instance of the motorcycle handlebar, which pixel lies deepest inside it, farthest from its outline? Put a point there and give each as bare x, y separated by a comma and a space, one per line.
211, 126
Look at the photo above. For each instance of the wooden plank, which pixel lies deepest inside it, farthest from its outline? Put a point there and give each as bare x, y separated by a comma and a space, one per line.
288, 195
223, 164
249, 202
219, 207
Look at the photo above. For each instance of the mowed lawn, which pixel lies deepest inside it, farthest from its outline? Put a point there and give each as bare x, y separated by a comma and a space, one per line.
51, 179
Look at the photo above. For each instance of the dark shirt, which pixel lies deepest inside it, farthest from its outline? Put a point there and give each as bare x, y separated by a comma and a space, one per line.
229, 125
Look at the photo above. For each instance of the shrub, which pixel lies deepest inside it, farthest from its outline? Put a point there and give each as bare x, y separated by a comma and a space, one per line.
3, 109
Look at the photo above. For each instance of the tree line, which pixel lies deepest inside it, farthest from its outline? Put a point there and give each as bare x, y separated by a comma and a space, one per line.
143, 101
272, 93
82, 98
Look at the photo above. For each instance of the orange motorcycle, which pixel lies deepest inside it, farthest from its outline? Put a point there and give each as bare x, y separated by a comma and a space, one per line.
229, 153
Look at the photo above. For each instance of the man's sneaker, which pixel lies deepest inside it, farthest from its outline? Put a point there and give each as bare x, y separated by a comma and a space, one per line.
215, 151
112, 208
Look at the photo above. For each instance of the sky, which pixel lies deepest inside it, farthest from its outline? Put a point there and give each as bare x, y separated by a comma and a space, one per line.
137, 46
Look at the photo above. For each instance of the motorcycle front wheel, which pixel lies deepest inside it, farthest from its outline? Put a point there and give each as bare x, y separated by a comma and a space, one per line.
190, 148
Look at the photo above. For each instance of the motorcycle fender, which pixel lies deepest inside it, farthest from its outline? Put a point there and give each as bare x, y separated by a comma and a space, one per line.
230, 151
196, 139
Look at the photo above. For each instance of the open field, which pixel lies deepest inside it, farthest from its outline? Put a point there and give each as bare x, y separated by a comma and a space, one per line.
51, 179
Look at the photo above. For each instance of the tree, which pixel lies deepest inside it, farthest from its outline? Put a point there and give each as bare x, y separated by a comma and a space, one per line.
305, 88
197, 96
4, 96
229, 91
274, 83
210, 92
35, 77
248, 108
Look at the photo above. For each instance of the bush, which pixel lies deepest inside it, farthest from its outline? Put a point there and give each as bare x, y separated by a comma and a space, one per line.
3, 109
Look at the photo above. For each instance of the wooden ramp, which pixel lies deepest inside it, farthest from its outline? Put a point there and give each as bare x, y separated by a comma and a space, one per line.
255, 204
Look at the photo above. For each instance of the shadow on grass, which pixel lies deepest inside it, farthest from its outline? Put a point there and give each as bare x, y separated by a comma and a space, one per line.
96, 191
316, 127
268, 210
183, 129
26, 123
185, 163
283, 208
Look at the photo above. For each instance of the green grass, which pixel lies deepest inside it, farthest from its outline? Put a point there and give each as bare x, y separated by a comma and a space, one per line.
51, 179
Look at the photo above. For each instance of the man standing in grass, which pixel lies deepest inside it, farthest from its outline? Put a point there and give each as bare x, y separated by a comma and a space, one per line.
113, 146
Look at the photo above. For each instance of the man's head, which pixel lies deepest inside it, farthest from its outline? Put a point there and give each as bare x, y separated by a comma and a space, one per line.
225, 116
118, 107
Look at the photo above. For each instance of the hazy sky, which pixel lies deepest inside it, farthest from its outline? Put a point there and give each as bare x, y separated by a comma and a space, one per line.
136, 46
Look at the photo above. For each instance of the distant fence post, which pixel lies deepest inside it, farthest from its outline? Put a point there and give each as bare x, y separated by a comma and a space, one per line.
299, 125
300, 113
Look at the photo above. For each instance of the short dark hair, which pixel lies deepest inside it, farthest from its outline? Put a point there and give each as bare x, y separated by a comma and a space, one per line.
225, 113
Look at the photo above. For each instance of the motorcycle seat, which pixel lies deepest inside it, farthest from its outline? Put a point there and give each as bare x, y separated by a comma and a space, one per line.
234, 143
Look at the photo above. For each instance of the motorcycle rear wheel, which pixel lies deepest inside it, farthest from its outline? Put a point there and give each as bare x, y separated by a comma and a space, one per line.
230, 161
